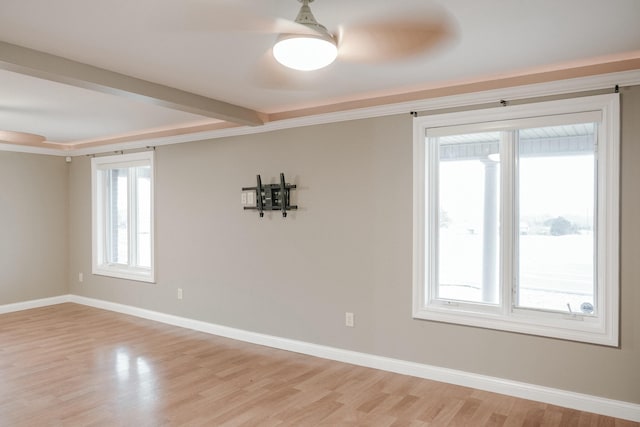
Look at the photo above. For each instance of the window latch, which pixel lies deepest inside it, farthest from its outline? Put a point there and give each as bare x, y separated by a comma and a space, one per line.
572, 315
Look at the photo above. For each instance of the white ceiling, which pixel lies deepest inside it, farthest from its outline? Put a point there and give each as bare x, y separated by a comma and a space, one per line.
219, 49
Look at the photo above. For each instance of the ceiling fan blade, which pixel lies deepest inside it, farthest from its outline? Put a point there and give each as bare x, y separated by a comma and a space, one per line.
390, 39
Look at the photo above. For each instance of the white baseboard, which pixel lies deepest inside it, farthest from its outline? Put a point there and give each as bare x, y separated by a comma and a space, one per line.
26, 305
567, 399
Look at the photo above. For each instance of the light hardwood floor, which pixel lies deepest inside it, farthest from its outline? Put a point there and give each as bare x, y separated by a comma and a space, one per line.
71, 365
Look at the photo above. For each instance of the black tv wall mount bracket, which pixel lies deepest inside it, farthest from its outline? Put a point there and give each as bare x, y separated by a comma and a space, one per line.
271, 197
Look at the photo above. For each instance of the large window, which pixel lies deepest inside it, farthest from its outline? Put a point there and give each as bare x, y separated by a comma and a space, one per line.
516, 218
122, 198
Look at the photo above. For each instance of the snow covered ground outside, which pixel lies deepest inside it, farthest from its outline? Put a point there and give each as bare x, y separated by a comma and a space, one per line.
554, 270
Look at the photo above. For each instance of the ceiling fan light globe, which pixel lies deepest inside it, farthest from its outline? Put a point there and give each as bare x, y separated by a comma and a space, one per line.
305, 52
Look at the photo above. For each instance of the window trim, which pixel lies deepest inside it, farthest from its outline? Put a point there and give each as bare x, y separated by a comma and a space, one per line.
98, 235
602, 329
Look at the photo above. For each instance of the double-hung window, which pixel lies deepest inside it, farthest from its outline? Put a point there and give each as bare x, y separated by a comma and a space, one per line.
122, 216
516, 218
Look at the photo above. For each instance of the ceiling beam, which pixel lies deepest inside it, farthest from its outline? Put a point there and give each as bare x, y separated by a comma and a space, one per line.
55, 68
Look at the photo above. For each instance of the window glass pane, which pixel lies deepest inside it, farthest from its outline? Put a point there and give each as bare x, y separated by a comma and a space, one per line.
117, 214
556, 218
143, 216
468, 226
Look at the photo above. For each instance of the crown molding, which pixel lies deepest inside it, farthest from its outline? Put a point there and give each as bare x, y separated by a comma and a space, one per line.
514, 93
35, 150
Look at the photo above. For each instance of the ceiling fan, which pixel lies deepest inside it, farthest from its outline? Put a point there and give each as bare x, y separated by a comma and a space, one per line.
369, 31
311, 46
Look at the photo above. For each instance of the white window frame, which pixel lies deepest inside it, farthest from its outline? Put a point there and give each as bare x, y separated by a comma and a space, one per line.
600, 329
99, 204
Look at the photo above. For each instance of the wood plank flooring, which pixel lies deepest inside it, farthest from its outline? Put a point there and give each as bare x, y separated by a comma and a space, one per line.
71, 365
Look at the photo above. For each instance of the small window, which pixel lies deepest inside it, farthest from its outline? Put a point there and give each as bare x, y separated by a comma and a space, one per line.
516, 218
122, 205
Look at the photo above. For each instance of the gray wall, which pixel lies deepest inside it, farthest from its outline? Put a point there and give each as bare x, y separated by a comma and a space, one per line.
347, 249
34, 235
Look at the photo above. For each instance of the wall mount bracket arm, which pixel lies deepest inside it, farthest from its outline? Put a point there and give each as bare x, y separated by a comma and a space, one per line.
272, 197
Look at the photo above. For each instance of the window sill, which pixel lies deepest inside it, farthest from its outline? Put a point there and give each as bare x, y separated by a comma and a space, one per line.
585, 329
138, 275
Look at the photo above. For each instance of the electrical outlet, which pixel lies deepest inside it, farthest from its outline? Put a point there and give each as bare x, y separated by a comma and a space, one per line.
80, 277
349, 319
179, 293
